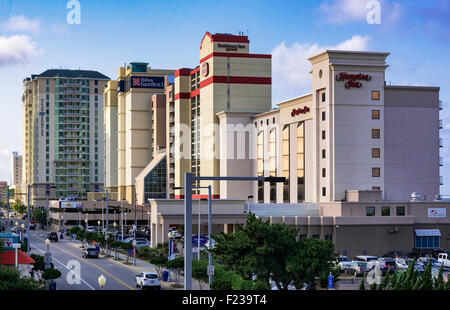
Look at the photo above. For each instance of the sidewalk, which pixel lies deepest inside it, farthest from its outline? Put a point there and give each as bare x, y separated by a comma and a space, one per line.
143, 266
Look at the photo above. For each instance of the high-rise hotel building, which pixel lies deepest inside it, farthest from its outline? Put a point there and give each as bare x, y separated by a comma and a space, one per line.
63, 133
229, 78
132, 108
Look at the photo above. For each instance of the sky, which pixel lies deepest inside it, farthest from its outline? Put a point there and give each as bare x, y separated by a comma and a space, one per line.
36, 35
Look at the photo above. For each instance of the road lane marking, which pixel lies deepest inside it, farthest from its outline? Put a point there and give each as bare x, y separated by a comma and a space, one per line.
92, 264
65, 267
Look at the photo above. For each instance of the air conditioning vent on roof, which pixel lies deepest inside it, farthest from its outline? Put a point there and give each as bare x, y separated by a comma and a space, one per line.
416, 196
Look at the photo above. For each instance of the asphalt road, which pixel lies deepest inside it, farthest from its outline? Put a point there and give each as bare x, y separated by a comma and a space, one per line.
82, 273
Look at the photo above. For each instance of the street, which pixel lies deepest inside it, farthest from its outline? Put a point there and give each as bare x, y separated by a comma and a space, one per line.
79, 273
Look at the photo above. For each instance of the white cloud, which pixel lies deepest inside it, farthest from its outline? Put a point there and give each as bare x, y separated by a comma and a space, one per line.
22, 24
344, 11
17, 49
291, 65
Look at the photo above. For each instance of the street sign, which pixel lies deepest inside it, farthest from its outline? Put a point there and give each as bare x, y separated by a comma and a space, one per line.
210, 270
203, 240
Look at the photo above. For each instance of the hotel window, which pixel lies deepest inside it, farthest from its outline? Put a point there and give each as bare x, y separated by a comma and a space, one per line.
324, 173
370, 211
385, 211
400, 211
375, 133
301, 162
375, 153
323, 97
273, 120
324, 191
329, 237
375, 172
323, 134
427, 242
376, 188
273, 164
375, 114
375, 95
323, 153
286, 164
267, 122
260, 165
323, 115
316, 236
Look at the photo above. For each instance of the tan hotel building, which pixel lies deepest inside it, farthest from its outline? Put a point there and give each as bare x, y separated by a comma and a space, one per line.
130, 142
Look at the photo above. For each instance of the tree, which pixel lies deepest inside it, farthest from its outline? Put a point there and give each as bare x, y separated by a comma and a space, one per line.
199, 272
160, 262
10, 280
176, 266
18, 207
40, 215
272, 251
427, 278
51, 274
126, 246
439, 283
385, 283
361, 285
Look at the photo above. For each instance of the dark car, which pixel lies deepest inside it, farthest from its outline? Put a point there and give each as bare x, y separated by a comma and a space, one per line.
32, 226
424, 252
90, 252
387, 265
53, 236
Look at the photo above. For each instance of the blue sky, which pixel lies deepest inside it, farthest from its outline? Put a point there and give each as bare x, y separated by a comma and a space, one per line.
35, 36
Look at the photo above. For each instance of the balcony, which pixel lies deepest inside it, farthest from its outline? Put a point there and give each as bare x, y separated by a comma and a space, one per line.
440, 105
440, 124
441, 161
441, 180
440, 143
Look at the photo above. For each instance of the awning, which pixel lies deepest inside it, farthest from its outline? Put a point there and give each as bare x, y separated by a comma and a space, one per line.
428, 232
9, 258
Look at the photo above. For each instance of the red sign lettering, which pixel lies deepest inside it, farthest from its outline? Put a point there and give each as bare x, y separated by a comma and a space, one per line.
352, 79
300, 111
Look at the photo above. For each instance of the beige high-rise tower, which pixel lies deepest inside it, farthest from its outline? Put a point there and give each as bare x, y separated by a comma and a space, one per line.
136, 84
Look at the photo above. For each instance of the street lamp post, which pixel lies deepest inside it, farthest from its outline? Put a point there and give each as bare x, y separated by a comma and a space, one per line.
16, 247
188, 178
47, 258
98, 225
115, 236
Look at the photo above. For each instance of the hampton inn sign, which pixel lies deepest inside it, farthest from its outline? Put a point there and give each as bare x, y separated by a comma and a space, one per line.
352, 79
303, 110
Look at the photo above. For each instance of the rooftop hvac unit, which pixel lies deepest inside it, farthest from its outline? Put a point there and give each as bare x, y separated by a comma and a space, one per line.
415, 196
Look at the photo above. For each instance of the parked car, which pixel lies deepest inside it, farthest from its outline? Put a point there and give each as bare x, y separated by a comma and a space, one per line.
401, 263
90, 252
53, 236
140, 243
175, 234
365, 258
343, 262
387, 265
148, 280
355, 268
